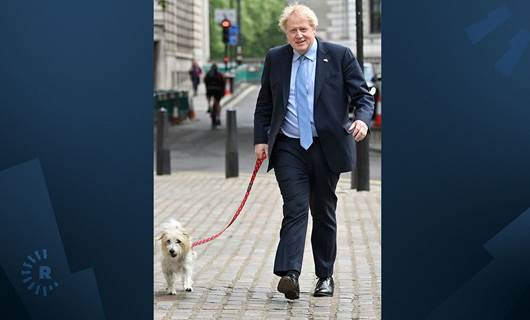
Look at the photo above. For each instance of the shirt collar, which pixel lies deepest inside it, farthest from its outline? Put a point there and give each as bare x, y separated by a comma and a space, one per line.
311, 54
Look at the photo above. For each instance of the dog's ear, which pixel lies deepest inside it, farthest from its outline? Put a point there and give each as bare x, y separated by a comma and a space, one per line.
186, 243
161, 236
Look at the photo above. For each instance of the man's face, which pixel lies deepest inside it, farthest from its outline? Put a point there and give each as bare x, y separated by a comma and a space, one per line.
299, 33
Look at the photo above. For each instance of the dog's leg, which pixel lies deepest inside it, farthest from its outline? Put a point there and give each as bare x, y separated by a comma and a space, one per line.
170, 283
188, 273
188, 281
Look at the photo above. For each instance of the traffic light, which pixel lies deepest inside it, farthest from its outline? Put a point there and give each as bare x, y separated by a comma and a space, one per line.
226, 24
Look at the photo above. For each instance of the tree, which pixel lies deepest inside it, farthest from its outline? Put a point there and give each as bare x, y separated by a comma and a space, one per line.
260, 27
162, 3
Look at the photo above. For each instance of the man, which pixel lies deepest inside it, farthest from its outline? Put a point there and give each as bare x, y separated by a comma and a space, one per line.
215, 88
301, 122
195, 76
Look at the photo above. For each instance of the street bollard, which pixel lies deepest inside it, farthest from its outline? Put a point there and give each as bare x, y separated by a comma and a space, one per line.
231, 161
191, 110
163, 156
360, 178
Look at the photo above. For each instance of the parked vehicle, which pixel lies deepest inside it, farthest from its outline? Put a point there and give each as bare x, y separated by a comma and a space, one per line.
370, 76
373, 83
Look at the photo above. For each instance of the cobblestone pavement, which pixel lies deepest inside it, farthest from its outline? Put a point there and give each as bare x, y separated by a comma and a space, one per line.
233, 274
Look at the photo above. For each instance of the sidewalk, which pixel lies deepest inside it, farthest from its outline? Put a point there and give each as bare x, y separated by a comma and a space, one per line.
200, 104
196, 147
233, 274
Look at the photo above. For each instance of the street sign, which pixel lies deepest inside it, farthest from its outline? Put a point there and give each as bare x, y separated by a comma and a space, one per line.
221, 14
233, 35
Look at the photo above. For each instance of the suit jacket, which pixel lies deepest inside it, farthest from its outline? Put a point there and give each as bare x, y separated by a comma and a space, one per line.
338, 78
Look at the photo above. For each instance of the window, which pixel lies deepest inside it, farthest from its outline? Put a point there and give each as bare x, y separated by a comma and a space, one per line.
375, 16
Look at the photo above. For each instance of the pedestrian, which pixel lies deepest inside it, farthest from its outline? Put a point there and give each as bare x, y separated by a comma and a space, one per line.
301, 124
195, 76
215, 88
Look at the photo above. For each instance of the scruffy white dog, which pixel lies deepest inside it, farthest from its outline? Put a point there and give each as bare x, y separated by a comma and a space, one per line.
177, 255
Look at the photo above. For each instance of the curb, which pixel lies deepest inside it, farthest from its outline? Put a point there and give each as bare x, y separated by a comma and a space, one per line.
236, 93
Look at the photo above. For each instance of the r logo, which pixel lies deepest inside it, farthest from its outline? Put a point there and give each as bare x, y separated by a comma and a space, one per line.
45, 272
37, 277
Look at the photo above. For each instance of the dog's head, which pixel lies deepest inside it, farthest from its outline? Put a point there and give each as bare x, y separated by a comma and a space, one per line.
175, 242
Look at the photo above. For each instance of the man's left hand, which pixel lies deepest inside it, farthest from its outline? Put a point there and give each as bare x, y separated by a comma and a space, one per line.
360, 130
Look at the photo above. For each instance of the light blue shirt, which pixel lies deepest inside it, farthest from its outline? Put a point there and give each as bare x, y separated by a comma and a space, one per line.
290, 123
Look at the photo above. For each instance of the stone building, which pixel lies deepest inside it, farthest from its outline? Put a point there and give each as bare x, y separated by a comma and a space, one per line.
181, 33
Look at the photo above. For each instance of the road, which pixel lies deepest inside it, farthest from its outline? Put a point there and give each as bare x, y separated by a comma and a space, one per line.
195, 147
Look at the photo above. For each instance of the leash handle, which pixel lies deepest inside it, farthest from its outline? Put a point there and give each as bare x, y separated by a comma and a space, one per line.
241, 205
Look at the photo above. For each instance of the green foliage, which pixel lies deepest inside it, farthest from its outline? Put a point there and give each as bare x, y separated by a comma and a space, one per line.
162, 3
259, 26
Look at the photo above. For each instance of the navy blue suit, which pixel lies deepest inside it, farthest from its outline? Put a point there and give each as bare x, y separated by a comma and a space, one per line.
308, 178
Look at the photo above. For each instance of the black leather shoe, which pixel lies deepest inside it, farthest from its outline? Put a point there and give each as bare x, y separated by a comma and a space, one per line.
288, 285
324, 287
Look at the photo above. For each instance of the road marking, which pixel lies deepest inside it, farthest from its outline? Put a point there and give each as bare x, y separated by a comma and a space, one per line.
232, 103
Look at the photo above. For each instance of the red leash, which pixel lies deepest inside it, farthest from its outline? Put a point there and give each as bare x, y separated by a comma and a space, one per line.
256, 169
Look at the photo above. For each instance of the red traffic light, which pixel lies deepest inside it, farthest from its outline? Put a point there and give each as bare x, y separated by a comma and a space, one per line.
226, 24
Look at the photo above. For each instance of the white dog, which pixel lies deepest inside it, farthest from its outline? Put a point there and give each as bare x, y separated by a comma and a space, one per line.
177, 255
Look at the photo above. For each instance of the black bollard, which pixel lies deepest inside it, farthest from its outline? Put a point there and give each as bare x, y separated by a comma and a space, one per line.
231, 161
361, 174
163, 156
353, 180
362, 178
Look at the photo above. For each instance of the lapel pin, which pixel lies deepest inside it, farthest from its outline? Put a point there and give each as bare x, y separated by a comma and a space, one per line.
325, 60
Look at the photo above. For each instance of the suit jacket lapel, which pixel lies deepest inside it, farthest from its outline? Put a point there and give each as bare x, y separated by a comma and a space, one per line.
288, 63
322, 69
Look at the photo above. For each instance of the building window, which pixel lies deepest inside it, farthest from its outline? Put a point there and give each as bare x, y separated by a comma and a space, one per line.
375, 16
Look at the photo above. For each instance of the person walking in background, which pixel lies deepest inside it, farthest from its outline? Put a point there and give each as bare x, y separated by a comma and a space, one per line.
195, 76
215, 88
301, 124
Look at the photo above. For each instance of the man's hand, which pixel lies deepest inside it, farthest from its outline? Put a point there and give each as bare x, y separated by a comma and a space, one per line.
360, 130
262, 151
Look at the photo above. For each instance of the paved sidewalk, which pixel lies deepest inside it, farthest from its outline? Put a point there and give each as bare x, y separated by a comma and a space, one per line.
233, 274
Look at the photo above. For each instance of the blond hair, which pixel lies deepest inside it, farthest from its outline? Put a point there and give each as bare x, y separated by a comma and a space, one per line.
302, 11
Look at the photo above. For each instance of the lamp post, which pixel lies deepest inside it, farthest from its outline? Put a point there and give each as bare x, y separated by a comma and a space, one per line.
360, 176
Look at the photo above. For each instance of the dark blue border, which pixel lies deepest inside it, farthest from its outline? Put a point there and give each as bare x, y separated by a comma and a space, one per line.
76, 88
455, 159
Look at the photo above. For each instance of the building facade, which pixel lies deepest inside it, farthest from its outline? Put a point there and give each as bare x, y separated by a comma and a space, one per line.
181, 34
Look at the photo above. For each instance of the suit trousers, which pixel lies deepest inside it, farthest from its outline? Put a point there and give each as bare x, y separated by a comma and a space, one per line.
306, 182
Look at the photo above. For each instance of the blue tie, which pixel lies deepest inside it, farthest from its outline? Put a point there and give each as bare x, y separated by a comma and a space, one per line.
302, 108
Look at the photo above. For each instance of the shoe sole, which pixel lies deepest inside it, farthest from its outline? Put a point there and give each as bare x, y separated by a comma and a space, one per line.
288, 288
322, 294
